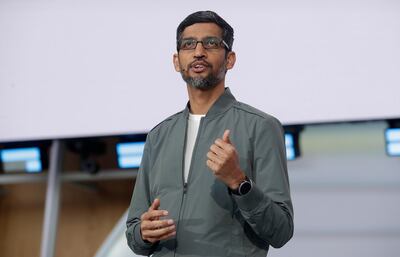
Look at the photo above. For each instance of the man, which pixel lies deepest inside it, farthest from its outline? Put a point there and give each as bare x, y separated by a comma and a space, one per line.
213, 179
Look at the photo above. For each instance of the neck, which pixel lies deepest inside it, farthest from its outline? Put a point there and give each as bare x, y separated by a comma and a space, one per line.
202, 100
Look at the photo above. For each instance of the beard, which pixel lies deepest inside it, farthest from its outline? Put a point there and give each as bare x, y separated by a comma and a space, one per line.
208, 82
203, 83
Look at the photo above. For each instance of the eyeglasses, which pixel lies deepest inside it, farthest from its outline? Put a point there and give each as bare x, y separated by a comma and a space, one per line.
208, 43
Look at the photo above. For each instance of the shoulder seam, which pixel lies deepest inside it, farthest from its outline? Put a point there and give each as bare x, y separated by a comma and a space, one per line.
265, 116
165, 120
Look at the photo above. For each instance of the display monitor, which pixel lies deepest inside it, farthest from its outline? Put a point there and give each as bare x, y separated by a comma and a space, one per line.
21, 160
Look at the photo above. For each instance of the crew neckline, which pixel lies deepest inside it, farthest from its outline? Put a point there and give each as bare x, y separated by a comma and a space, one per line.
196, 116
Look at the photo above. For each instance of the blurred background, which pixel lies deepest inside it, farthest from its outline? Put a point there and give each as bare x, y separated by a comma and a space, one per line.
82, 82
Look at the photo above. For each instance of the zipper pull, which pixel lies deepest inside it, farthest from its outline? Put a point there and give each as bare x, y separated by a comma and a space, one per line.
184, 188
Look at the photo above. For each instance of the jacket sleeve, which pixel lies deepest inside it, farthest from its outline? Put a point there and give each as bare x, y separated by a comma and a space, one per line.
140, 203
267, 207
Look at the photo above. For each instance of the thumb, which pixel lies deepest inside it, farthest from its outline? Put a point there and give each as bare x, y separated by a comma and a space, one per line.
225, 137
155, 204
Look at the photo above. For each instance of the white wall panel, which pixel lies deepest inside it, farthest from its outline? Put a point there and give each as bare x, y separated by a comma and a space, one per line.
82, 68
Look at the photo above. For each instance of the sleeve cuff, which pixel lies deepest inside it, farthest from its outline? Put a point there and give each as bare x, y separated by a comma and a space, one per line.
251, 200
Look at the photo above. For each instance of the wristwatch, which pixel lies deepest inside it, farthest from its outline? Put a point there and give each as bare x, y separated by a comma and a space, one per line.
244, 187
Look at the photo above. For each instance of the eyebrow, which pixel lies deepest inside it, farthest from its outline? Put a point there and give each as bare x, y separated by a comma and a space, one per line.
185, 38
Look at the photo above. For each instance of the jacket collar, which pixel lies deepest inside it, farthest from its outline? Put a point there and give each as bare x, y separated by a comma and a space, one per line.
223, 103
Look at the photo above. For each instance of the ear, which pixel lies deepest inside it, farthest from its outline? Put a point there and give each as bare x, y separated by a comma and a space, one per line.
230, 60
175, 60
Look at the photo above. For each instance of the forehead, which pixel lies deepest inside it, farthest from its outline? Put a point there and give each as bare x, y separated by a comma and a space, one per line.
201, 30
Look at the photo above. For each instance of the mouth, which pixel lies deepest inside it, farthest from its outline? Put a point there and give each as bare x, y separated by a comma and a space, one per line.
199, 66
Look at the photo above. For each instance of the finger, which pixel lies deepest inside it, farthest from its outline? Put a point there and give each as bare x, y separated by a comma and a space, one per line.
163, 237
222, 144
225, 137
218, 151
155, 204
214, 158
212, 165
157, 224
169, 235
158, 232
154, 214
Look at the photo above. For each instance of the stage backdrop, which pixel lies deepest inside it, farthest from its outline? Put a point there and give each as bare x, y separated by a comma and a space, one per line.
87, 68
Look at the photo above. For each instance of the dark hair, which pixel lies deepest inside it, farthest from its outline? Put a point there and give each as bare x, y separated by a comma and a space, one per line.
205, 17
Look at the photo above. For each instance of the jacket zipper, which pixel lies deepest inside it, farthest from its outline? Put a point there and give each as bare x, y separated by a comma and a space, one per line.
185, 183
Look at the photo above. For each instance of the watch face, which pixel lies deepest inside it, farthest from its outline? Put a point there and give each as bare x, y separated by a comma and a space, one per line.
245, 187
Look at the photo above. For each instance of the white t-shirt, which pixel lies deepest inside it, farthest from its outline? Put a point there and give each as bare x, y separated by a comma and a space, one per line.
191, 135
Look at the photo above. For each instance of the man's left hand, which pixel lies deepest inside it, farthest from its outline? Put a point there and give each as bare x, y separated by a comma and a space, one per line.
223, 161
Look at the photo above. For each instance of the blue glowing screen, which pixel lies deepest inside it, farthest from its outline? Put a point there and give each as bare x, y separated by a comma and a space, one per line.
21, 159
392, 136
289, 143
130, 154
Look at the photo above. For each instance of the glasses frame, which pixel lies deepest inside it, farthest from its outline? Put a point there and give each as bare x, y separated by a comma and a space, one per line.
222, 42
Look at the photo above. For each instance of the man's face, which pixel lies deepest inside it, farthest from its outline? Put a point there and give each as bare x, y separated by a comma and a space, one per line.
203, 68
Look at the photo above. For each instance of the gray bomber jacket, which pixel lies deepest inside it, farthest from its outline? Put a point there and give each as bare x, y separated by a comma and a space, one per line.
210, 221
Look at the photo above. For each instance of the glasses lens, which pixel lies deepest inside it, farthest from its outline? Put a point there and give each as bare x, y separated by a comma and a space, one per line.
187, 44
208, 43
211, 43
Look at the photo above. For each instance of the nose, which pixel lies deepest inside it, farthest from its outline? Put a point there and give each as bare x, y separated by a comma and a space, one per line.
199, 51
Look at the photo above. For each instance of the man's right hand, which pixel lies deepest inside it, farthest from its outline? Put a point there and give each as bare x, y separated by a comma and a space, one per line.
152, 228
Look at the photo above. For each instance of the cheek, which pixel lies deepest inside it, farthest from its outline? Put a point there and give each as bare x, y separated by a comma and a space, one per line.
221, 61
221, 67
183, 65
